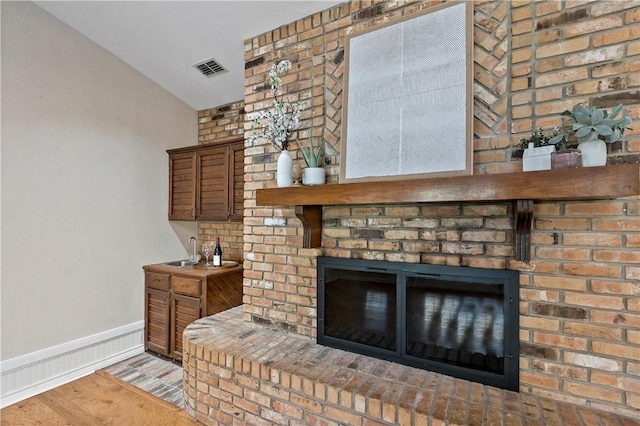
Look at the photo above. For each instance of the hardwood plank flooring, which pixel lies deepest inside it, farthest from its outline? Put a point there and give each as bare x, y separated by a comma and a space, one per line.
97, 399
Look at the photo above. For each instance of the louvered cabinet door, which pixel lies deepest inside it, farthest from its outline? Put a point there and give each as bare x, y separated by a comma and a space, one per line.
213, 184
157, 310
236, 192
182, 186
184, 311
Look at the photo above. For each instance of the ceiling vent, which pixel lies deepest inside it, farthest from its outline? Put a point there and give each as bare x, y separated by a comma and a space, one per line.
209, 68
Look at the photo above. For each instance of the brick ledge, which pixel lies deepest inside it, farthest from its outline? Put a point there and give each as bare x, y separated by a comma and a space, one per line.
244, 374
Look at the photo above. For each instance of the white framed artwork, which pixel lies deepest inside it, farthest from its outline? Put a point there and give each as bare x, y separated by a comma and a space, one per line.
408, 98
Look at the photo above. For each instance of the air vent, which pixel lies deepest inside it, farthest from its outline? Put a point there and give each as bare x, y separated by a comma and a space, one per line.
210, 67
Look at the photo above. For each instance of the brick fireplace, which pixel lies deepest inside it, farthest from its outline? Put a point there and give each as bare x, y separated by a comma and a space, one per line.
580, 293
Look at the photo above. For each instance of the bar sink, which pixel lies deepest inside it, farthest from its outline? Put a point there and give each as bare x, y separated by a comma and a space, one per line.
181, 263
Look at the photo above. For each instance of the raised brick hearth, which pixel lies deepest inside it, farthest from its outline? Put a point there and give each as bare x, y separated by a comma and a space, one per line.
238, 373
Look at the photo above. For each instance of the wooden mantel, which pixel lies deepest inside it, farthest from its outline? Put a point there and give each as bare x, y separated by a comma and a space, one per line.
585, 183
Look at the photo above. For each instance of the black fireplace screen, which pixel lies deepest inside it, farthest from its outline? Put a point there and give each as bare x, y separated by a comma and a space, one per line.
361, 308
455, 323
458, 321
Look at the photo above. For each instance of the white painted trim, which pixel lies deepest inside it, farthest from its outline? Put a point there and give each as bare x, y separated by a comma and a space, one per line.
28, 375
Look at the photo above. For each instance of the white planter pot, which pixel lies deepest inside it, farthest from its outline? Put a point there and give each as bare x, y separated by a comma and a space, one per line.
313, 176
284, 169
594, 153
537, 158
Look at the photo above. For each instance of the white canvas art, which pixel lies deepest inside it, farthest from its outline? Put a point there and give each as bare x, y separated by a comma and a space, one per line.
407, 98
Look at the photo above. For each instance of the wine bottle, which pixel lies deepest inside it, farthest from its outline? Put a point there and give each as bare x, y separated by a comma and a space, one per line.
217, 253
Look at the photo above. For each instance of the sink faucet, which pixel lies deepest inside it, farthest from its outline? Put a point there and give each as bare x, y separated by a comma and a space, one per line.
194, 256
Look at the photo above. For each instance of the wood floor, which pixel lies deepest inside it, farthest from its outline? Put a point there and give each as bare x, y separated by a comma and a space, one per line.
97, 399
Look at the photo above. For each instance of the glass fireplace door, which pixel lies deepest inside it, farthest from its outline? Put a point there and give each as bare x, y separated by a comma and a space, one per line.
361, 308
457, 323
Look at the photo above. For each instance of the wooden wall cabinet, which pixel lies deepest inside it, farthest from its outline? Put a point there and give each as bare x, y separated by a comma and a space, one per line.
182, 186
176, 297
206, 182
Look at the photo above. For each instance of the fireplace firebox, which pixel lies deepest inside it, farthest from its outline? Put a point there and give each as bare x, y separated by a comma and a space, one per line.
458, 321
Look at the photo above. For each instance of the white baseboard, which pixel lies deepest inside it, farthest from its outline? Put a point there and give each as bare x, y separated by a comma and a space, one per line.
28, 375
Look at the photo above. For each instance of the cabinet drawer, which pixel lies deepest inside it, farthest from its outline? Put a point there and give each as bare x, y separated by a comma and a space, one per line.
185, 285
155, 280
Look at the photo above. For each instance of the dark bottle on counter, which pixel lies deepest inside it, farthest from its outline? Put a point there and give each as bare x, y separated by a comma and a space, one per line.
217, 253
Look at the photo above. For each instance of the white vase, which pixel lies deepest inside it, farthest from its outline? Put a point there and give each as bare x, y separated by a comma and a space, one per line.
284, 169
594, 152
313, 176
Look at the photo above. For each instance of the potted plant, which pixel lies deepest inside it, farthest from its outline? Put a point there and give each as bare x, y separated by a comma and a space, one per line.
561, 157
537, 150
538, 138
278, 125
314, 173
594, 127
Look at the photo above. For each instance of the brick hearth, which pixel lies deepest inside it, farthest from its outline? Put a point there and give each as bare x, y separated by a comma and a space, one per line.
244, 374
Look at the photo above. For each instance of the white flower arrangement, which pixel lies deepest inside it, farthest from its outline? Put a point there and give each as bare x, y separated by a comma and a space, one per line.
278, 124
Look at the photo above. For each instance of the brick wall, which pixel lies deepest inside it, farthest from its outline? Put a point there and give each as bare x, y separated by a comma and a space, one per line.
580, 308
222, 124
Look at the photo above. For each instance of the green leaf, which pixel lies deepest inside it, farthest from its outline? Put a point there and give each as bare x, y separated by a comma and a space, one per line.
615, 111
615, 136
577, 126
583, 132
603, 130
597, 117
579, 109
558, 138
582, 118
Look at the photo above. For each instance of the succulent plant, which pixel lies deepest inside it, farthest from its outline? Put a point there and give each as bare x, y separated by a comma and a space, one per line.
589, 121
312, 155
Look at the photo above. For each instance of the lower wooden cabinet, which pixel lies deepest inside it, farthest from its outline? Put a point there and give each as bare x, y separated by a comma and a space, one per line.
184, 311
174, 298
157, 320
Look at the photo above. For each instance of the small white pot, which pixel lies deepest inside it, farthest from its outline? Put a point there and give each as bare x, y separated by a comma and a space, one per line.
313, 176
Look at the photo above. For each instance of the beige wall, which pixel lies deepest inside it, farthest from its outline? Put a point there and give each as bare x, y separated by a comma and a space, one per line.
84, 182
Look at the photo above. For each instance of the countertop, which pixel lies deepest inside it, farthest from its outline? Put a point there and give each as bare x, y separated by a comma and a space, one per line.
190, 271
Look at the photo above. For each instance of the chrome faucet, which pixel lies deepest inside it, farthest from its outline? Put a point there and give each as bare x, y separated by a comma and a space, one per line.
194, 256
